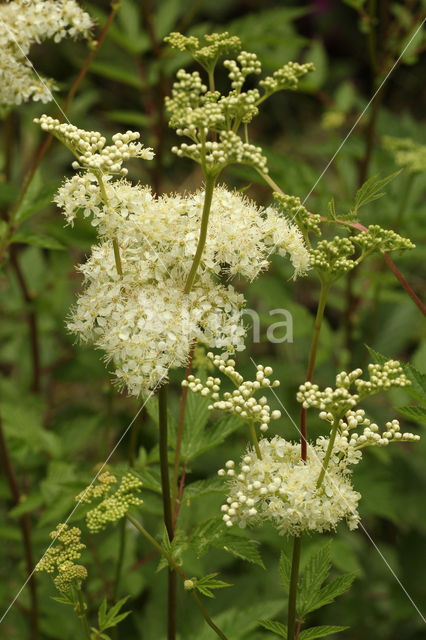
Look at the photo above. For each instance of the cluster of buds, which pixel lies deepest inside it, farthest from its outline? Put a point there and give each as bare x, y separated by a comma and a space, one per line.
375, 238
207, 116
114, 505
238, 70
90, 150
305, 220
206, 53
66, 548
241, 402
286, 77
332, 259
370, 435
334, 403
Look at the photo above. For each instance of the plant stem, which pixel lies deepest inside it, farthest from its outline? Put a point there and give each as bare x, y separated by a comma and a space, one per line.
82, 614
291, 620
328, 453
167, 508
31, 320
312, 358
25, 526
254, 439
180, 429
178, 570
115, 246
267, 178
164, 461
210, 183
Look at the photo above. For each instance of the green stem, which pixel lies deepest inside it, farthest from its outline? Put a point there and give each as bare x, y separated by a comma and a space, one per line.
291, 620
312, 358
115, 246
178, 570
167, 507
254, 439
328, 452
82, 614
267, 178
210, 183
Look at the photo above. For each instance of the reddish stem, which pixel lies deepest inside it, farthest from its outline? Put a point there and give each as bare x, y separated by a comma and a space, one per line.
181, 485
391, 265
180, 424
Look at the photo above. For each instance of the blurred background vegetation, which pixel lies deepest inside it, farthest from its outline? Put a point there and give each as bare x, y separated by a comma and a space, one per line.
61, 416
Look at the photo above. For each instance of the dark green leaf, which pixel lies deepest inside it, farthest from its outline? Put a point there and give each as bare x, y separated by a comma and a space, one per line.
330, 591
275, 627
285, 572
320, 632
412, 412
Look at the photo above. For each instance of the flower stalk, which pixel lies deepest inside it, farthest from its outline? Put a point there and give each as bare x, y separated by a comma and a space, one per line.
210, 183
177, 570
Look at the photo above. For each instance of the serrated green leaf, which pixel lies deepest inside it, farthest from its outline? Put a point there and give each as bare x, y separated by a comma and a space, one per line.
330, 592
413, 412
285, 572
241, 548
207, 583
371, 190
315, 573
201, 488
112, 617
150, 477
196, 417
320, 632
275, 627
102, 612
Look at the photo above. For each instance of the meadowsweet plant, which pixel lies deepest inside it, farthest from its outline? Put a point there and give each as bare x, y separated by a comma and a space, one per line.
23, 23
162, 295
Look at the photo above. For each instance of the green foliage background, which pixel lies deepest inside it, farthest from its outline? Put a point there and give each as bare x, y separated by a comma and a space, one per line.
62, 419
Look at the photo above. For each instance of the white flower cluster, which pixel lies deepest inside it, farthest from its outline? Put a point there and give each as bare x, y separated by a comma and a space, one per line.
282, 488
240, 235
90, 150
334, 403
137, 311
240, 402
143, 320
23, 23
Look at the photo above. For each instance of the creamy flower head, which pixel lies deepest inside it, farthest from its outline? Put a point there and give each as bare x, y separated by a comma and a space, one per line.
143, 320
25, 22
282, 488
240, 237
